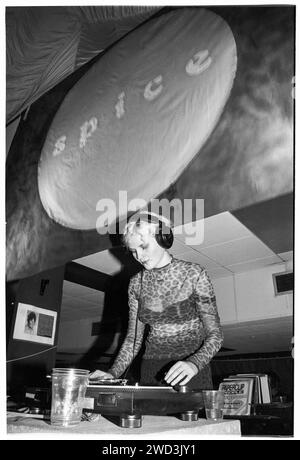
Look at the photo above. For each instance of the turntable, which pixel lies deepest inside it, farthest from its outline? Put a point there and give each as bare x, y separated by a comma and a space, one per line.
114, 397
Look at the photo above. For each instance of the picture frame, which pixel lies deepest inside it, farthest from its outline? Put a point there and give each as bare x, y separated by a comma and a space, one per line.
35, 324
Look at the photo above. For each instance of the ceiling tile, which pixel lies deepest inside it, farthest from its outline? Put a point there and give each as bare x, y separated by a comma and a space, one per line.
216, 273
193, 256
286, 256
188, 232
178, 247
217, 229
74, 289
80, 302
253, 264
102, 261
242, 250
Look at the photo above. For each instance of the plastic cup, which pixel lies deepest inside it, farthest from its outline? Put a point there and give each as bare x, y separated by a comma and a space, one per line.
68, 392
214, 404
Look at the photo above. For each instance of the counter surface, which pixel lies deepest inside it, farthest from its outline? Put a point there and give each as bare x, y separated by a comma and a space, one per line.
166, 427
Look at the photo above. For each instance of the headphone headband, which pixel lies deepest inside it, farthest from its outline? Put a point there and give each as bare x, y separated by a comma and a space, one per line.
153, 217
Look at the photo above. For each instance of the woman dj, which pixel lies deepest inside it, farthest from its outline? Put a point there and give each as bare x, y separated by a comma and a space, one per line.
176, 299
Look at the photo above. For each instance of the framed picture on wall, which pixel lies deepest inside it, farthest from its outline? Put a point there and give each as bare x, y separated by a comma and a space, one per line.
35, 324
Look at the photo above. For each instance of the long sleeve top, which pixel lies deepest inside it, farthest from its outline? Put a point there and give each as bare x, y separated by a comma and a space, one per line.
179, 305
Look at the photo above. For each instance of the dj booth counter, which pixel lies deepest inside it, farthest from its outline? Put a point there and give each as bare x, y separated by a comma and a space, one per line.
156, 427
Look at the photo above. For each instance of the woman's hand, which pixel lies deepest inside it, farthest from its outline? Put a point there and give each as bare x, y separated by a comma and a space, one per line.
181, 372
99, 375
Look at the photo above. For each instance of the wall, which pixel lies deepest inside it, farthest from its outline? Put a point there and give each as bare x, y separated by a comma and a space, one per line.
250, 296
226, 300
75, 336
77, 345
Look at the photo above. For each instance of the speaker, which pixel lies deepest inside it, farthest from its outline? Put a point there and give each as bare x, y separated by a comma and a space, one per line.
164, 236
283, 282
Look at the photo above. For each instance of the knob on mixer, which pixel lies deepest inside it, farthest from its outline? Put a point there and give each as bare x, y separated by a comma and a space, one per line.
131, 420
182, 388
189, 416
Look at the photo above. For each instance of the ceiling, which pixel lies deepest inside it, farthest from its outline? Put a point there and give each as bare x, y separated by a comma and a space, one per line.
228, 247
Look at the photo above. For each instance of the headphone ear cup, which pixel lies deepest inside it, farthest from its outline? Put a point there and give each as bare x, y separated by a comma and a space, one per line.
164, 236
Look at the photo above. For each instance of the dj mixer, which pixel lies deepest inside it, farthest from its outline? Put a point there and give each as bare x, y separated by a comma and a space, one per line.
114, 397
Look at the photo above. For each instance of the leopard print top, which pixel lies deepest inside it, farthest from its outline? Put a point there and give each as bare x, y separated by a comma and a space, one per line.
178, 303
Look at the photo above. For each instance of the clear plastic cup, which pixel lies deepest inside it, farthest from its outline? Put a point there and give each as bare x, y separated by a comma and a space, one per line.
68, 392
214, 404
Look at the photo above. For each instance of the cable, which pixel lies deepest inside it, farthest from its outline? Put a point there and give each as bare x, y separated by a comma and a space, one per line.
30, 356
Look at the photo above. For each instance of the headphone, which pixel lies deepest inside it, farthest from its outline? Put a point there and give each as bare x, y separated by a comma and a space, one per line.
164, 235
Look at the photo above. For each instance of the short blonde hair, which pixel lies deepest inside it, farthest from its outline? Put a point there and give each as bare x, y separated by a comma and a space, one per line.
151, 219
131, 229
